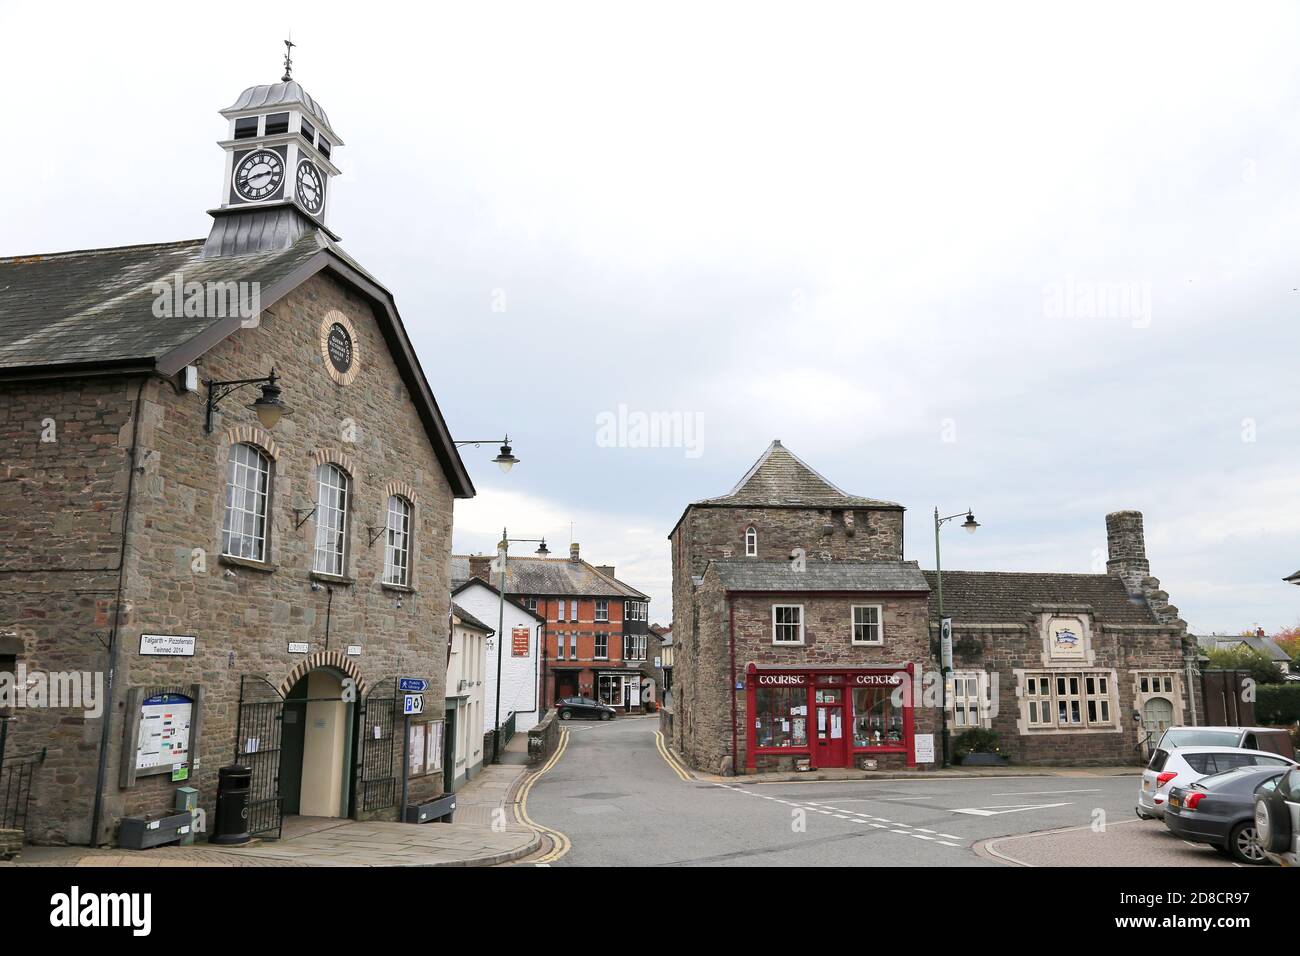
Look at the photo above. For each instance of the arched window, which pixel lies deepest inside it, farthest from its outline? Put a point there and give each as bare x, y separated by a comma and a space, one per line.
397, 551
248, 487
751, 543
331, 519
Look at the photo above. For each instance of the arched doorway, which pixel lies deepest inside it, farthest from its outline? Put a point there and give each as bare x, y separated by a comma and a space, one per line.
317, 744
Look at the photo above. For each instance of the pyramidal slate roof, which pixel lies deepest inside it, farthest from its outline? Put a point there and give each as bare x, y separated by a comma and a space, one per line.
550, 576
781, 479
1006, 597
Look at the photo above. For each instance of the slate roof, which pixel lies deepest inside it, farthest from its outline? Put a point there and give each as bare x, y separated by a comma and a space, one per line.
458, 586
1005, 597
748, 574
551, 576
470, 620
780, 478
69, 313
1263, 645
97, 306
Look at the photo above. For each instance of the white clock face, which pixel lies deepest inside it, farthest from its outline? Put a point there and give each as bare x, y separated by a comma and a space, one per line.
259, 174
310, 187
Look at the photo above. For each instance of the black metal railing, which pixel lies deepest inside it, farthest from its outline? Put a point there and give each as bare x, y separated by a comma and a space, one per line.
507, 730
16, 774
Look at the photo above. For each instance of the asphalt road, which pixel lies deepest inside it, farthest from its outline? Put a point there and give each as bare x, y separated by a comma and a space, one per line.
620, 803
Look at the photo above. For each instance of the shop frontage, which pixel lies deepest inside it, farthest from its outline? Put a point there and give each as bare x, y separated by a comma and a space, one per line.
819, 717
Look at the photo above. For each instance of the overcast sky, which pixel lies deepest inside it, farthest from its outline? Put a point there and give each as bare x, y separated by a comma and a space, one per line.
1035, 259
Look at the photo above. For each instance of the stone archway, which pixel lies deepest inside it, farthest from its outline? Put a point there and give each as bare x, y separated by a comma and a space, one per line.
325, 660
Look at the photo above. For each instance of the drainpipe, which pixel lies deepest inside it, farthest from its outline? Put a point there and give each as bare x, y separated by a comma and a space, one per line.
731, 641
105, 724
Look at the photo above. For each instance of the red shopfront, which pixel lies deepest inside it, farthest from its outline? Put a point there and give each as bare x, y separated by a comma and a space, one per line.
830, 716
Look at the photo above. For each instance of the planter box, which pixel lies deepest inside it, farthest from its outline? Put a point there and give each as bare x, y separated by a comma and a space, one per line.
441, 809
143, 833
983, 760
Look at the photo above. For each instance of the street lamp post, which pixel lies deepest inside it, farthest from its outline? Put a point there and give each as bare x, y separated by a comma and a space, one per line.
505, 458
502, 549
945, 661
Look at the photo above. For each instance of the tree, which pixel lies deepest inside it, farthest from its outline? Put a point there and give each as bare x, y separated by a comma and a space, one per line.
1241, 658
1289, 640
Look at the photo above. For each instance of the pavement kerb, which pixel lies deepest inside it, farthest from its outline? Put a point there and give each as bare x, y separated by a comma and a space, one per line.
988, 848
815, 777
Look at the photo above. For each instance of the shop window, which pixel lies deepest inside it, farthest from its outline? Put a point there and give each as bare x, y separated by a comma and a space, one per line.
751, 543
787, 623
602, 646
397, 548
248, 483
781, 717
611, 690
876, 721
331, 519
602, 610
866, 624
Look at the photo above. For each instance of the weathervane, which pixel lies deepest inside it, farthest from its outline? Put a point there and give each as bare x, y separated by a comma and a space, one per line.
288, 61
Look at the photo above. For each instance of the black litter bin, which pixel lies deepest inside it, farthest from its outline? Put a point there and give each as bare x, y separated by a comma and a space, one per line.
233, 785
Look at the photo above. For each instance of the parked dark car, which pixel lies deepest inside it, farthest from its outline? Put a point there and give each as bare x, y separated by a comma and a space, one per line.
583, 707
1220, 810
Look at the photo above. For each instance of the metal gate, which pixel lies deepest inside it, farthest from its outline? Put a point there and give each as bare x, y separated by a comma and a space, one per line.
16, 773
377, 780
257, 746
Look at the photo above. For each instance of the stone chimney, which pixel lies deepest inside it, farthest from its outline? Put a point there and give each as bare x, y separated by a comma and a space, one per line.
1127, 557
480, 566
1126, 549
573, 552
606, 569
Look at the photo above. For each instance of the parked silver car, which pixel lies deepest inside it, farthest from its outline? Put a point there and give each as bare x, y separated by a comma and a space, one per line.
1181, 766
1277, 820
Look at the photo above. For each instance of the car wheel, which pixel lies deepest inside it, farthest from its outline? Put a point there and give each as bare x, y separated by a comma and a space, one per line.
1273, 822
1243, 844
565, 715
604, 715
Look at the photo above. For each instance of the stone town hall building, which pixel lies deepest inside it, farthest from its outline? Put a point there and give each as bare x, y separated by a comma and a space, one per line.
803, 638
249, 589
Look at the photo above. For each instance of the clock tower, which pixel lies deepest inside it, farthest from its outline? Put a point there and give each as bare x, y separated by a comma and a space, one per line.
278, 169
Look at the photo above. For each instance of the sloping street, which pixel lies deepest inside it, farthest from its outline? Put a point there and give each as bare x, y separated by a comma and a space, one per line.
619, 801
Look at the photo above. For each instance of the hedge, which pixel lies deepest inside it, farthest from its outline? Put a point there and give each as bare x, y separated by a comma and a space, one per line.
1277, 704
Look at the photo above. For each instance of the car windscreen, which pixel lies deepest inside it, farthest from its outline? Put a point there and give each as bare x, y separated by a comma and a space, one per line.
1241, 780
1200, 737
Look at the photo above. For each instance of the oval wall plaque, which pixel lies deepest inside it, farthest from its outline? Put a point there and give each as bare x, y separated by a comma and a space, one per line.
339, 347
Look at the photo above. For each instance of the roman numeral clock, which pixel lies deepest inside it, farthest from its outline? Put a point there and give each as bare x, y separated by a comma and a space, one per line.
278, 166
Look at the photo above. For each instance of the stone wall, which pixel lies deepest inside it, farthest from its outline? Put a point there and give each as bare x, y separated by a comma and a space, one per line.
244, 615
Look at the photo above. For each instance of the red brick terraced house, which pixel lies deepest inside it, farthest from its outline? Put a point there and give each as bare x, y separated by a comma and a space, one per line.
803, 639
595, 642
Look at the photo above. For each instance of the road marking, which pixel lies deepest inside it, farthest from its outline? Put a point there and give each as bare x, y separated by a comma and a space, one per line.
664, 752
1008, 808
1041, 793
560, 844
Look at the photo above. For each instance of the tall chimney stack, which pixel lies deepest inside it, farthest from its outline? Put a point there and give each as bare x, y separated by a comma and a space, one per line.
573, 552
480, 566
1126, 549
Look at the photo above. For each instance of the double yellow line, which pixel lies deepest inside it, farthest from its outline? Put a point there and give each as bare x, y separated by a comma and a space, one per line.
676, 765
559, 842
